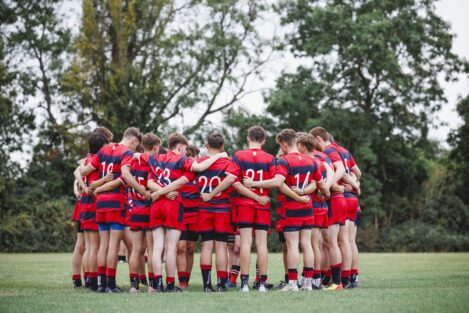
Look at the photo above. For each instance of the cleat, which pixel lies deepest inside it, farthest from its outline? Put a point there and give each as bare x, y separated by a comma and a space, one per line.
101, 289
175, 289
356, 282
269, 286
333, 286
209, 289
221, 289
230, 285
113, 290
144, 281
262, 288
306, 287
301, 281
316, 284
245, 288
255, 284
281, 284
160, 289
347, 286
134, 290
290, 287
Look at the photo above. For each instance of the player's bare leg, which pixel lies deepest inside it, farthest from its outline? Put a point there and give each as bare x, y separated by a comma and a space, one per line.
235, 261
206, 264
102, 259
134, 260
93, 258
115, 238
181, 263
346, 251
325, 266
293, 258
245, 256
190, 251
172, 238
149, 250
353, 245
335, 257
84, 261
315, 238
77, 260
308, 258
158, 235
221, 261
127, 240
262, 257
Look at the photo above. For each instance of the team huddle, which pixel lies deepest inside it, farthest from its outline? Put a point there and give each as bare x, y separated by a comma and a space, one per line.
161, 202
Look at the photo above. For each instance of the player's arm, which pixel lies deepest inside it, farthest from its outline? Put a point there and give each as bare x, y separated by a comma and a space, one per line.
248, 193
356, 170
202, 166
175, 185
307, 190
339, 172
225, 184
97, 183
351, 181
283, 188
86, 170
275, 182
132, 182
324, 187
153, 186
75, 189
108, 186
79, 178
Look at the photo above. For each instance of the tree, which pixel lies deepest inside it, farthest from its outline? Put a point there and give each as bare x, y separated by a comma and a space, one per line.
144, 63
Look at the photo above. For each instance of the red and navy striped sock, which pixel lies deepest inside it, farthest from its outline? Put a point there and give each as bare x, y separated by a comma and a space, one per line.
308, 272
292, 274
345, 277
111, 277
170, 283
182, 276
102, 277
151, 278
134, 280
316, 274
76, 280
234, 272
206, 275
222, 277
335, 269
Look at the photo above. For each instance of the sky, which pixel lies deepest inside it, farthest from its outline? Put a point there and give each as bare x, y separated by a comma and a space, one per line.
453, 11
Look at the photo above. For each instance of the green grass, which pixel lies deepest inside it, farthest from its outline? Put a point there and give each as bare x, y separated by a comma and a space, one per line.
391, 283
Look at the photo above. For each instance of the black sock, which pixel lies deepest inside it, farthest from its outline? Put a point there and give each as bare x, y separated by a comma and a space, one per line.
94, 283
263, 279
244, 280
353, 278
134, 282
102, 281
207, 277
121, 258
169, 286
111, 282
157, 282
345, 280
336, 274
286, 278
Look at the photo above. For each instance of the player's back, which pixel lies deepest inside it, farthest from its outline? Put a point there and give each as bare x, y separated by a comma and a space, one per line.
140, 170
209, 179
169, 167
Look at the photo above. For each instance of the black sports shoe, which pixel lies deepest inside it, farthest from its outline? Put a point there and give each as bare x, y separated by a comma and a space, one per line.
256, 284
101, 289
347, 286
221, 289
113, 290
144, 281
175, 289
281, 284
209, 289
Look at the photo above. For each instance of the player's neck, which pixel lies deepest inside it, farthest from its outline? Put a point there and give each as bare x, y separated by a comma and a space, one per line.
292, 149
255, 145
212, 151
125, 143
175, 151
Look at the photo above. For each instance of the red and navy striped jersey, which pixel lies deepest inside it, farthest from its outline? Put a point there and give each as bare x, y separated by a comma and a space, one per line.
353, 193
256, 164
209, 180
166, 168
338, 154
299, 170
112, 158
140, 170
88, 211
319, 203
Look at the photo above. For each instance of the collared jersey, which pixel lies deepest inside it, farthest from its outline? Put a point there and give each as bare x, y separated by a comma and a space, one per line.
256, 164
208, 180
112, 158
299, 170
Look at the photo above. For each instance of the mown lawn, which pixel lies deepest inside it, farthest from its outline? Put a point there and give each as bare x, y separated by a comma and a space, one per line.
391, 283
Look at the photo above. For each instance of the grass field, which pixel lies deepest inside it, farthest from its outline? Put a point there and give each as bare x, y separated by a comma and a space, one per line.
391, 283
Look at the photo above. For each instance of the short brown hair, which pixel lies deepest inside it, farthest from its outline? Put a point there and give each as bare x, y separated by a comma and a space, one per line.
287, 136
133, 132
174, 139
320, 132
150, 140
307, 140
103, 130
256, 133
215, 140
192, 151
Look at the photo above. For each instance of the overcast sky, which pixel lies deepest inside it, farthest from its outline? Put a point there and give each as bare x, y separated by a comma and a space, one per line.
453, 11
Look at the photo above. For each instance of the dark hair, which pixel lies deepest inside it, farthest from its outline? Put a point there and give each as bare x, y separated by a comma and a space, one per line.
215, 140
174, 139
287, 136
256, 133
320, 132
162, 150
105, 131
192, 151
306, 140
133, 132
96, 141
140, 149
150, 140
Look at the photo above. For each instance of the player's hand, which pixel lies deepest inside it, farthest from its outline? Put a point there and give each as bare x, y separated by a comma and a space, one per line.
109, 177
297, 190
304, 199
147, 195
97, 191
222, 155
348, 187
136, 155
248, 182
90, 192
358, 190
171, 195
263, 200
155, 196
341, 189
206, 197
